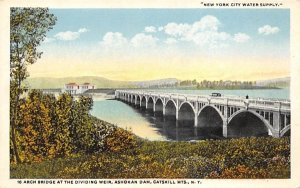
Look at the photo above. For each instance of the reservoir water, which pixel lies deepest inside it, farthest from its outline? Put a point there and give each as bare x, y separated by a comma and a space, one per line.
156, 127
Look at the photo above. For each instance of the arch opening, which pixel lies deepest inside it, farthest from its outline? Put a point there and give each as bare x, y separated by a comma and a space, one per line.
246, 124
138, 101
210, 121
287, 133
186, 113
150, 104
133, 99
159, 107
130, 99
170, 110
143, 103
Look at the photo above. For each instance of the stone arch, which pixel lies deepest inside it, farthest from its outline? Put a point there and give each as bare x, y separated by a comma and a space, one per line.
267, 124
170, 108
187, 102
159, 99
251, 124
159, 105
133, 99
150, 102
186, 111
143, 102
171, 100
138, 100
285, 130
210, 120
130, 98
213, 106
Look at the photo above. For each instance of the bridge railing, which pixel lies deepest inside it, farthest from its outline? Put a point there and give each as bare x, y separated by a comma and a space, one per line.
219, 100
238, 101
286, 105
270, 104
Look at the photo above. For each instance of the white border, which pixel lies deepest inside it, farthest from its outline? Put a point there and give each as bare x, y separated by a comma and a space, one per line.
294, 7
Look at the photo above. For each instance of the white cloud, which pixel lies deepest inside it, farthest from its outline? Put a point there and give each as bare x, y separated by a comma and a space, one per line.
142, 40
268, 30
202, 33
115, 40
210, 38
70, 35
177, 30
171, 41
48, 40
160, 28
67, 35
150, 29
208, 22
82, 30
241, 37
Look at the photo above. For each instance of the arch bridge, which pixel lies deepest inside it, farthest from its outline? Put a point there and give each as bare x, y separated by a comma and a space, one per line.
229, 113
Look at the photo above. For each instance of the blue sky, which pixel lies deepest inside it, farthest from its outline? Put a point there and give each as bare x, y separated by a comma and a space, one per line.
138, 35
132, 21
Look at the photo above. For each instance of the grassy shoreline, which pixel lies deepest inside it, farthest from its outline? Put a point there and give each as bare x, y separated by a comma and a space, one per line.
262, 157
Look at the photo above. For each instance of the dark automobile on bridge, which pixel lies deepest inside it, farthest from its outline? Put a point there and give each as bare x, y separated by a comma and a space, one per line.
216, 94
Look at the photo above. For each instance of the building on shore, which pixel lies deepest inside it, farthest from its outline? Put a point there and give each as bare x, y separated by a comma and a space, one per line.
74, 88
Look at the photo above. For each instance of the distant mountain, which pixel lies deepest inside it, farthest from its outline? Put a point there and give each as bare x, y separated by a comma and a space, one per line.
99, 82
278, 82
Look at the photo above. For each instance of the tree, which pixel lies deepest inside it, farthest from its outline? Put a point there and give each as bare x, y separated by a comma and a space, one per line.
35, 128
28, 27
83, 130
62, 134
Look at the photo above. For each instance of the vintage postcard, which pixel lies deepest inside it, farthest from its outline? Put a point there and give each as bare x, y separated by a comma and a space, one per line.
194, 93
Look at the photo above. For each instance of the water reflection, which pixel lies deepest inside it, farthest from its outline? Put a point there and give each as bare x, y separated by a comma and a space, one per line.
146, 124
175, 130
